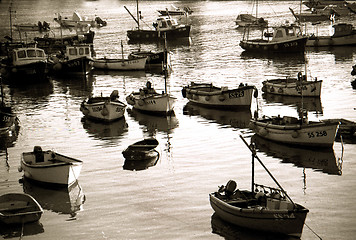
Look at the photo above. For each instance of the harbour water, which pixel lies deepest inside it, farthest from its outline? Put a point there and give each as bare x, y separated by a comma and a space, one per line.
200, 149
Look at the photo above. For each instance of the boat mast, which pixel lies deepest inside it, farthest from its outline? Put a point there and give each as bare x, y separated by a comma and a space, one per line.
165, 70
138, 16
10, 11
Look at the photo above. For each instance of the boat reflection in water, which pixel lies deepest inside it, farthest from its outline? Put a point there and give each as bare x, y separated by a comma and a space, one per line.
66, 200
18, 232
236, 119
138, 165
320, 160
232, 232
154, 123
105, 131
310, 104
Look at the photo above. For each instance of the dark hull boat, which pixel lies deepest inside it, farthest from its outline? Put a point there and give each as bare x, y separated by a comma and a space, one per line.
154, 35
142, 150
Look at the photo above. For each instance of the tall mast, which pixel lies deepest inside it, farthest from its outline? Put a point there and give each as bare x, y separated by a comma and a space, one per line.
138, 16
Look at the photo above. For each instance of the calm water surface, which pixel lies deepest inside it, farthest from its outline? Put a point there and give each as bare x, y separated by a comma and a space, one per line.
200, 149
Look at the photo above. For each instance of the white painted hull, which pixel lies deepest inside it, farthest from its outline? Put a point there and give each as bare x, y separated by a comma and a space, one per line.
292, 88
319, 134
210, 96
120, 64
155, 103
63, 171
105, 110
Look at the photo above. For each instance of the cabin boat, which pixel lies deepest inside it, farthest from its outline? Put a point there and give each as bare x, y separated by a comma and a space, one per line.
77, 59
219, 97
164, 26
294, 131
50, 167
19, 208
248, 20
26, 65
262, 208
106, 109
344, 34
299, 86
314, 16
285, 38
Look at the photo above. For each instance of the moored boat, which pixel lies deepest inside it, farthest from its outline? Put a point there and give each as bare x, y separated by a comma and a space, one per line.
262, 208
120, 63
313, 16
344, 35
105, 109
248, 20
19, 208
50, 167
78, 21
299, 86
8, 118
175, 12
154, 59
165, 27
220, 97
294, 131
284, 38
77, 59
26, 65
142, 150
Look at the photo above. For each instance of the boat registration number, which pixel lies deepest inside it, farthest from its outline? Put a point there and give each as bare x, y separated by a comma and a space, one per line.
150, 101
291, 44
97, 109
236, 94
317, 134
283, 215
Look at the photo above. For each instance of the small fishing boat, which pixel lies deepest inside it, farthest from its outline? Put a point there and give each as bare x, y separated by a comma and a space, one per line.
77, 21
320, 4
19, 208
284, 38
26, 65
293, 86
314, 16
123, 64
50, 167
264, 208
105, 109
347, 128
248, 20
164, 27
344, 35
220, 97
176, 11
77, 59
142, 150
120, 63
41, 27
294, 131
154, 59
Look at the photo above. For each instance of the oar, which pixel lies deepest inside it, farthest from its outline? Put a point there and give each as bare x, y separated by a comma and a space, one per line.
275, 180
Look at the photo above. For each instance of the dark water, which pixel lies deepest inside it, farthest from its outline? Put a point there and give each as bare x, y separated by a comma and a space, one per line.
199, 148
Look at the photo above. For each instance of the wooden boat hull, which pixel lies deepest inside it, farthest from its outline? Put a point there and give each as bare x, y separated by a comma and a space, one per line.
155, 103
248, 20
55, 169
153, 35
103, 109
282, 221
313, 134
18, 208
7, 119
120, 64
27, 73
292, 45
210, 96
153, 58
292, 87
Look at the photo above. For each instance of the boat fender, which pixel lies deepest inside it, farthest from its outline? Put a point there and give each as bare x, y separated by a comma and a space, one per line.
130, 100
141, 102
184, 92
300, 75
295, 134
230, 187
207, 98
255, 94
57, 66
105, 111
114, 94
195, 97
280, 90
19, 169
263, 132
264, 88
272, 89
275, 46
251, 126
221, 98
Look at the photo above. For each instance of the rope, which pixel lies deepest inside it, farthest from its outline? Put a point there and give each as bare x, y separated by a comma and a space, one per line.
313, 231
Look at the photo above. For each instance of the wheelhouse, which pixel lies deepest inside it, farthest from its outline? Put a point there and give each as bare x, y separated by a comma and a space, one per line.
21, 56
78, 51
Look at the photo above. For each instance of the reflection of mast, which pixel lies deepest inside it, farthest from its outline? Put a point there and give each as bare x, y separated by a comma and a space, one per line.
304, 181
